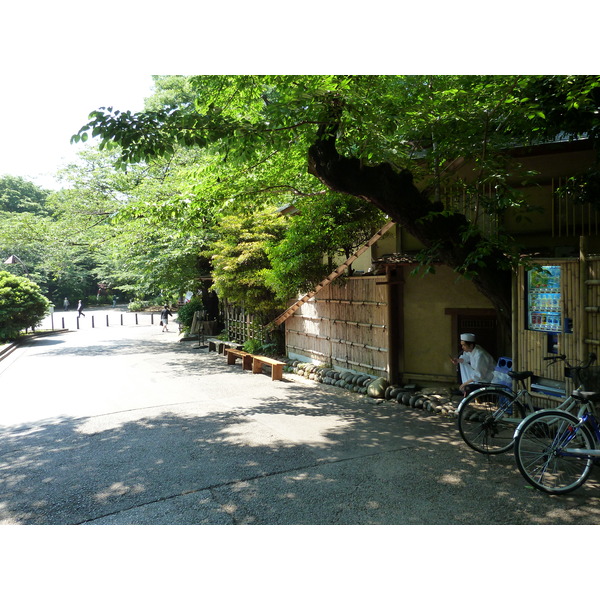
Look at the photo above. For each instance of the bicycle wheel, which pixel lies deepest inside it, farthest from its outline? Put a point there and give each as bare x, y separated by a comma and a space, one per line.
487, 420
542, 451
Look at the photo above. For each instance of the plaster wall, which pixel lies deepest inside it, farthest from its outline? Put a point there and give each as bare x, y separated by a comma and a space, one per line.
427, 327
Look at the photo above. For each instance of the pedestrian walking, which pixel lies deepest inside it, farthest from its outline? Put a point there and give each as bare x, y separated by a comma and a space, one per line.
80, 309
164, 317
66, 303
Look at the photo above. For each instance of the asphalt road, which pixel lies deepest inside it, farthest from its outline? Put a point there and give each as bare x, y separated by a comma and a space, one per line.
126, 425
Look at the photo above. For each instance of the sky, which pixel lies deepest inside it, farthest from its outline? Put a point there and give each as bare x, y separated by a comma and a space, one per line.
36, 123
61, 60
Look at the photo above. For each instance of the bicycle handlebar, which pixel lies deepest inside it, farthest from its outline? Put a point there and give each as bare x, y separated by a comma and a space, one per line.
591, 359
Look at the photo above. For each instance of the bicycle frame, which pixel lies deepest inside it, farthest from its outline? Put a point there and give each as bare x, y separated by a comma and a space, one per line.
586, 418
522, 396
490, 417
490, 389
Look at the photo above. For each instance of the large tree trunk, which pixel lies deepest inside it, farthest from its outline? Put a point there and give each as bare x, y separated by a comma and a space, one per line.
396, 195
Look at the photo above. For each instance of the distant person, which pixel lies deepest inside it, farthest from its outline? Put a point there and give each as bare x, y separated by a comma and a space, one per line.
66, 303
476, 364
115, 298
164, 317
80, 309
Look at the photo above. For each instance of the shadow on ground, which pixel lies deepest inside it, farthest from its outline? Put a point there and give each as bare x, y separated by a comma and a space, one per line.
291, 452
347, 463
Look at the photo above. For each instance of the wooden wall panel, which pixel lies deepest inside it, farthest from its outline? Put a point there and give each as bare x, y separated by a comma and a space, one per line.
343, 326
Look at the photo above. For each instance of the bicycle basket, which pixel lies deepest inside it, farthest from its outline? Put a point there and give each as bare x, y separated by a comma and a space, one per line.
588, 378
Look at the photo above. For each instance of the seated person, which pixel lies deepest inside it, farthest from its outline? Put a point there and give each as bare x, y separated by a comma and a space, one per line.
476, 364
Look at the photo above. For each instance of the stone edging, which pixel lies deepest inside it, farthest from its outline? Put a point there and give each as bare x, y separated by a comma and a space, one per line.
7, 349
436, 400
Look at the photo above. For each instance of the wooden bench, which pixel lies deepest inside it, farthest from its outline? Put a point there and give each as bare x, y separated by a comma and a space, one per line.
219, 346
214, 344
276, 366
234, 353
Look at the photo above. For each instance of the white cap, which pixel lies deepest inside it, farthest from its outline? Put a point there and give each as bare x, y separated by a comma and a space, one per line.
467, 337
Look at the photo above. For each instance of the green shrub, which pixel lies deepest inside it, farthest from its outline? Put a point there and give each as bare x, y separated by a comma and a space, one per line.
252, 346
136, 305
185, 314
269, 349
91, 301
22, 305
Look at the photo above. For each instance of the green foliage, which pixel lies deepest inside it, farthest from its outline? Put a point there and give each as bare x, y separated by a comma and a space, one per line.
240, 261
18, 195
138, 305
53, 241
185, 313
22, 305
583, 188
565, 105
335, 226
190, 180
251, 135
253, 346
147, 232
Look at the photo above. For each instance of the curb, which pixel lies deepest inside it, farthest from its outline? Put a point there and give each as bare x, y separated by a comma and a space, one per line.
9, 348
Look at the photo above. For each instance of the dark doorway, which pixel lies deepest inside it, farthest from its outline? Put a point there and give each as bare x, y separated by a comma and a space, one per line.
482, 322
485, 329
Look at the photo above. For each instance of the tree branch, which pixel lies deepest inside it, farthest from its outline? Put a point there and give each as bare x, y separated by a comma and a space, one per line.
394, 192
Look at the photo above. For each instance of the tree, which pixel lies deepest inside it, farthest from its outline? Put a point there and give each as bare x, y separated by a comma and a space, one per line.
138, 225
51, 233
370, 137
19, 195
239, 259
22, 305
336, 225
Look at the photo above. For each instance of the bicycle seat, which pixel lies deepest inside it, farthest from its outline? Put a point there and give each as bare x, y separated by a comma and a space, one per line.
586, 396
520, 375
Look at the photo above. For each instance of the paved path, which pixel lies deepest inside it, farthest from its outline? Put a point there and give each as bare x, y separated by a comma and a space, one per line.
125, 425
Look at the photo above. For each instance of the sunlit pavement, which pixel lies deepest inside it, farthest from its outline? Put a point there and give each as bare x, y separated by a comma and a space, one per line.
124, 424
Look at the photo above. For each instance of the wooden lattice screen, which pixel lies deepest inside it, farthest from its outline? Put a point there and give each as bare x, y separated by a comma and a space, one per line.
569, 216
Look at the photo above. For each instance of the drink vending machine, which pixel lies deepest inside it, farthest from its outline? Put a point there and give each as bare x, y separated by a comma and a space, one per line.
544, 305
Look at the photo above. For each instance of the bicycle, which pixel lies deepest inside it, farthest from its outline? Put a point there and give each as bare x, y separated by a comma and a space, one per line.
488, 417
555, 450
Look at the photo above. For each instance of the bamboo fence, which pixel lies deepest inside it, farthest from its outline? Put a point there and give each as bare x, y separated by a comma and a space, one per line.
580, 292
592, 305
343, 326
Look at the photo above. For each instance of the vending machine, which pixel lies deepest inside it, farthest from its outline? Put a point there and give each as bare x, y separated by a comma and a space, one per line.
544, 303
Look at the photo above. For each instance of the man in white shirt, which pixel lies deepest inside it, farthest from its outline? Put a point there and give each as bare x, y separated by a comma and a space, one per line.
476, 364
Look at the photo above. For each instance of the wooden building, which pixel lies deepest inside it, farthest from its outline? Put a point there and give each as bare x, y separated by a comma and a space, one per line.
387, 321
